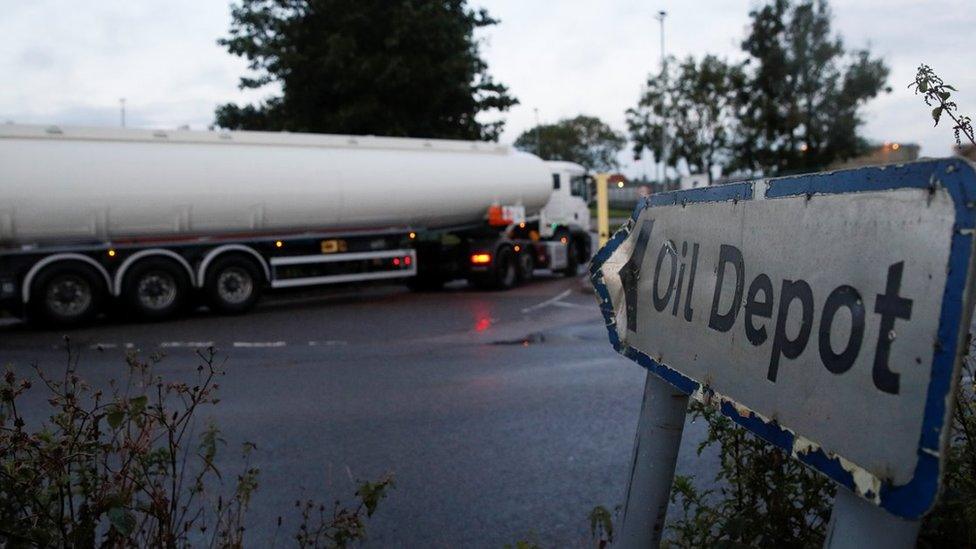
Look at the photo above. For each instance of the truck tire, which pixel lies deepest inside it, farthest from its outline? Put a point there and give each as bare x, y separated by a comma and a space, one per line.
526, 265
66, 294
502, 275
156, 288
505, 269
233, 284
572, 257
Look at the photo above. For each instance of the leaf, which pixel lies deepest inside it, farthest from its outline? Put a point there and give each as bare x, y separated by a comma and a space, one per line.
601, 520
370, 493
115, 417
937, 114
121, 520
137, 405
923, 86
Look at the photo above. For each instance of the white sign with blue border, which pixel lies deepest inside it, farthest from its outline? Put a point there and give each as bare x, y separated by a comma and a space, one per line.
826, 313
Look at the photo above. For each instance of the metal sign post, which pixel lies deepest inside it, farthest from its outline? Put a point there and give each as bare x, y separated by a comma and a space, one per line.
662, 419
857, 524
602, 207
825, 313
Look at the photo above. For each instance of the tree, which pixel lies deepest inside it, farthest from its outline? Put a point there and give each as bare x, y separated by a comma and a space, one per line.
697, 101
382, 67
586, 140
800, 107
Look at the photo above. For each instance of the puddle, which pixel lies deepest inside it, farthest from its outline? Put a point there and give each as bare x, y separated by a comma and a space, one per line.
530, 339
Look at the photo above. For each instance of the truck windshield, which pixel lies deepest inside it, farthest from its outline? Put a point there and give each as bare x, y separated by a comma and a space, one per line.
580, 186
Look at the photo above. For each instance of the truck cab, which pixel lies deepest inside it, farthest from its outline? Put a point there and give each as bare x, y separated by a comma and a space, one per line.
568, 207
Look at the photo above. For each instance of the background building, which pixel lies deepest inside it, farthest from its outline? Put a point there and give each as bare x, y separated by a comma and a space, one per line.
887, 153
966, 151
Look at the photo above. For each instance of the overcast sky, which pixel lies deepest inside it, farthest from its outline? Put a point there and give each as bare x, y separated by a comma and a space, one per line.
65, 65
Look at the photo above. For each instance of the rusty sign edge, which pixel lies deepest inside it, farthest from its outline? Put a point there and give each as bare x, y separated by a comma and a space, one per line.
957, 176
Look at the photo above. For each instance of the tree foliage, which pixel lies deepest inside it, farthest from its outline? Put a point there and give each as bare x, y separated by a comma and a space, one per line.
381, 67
586, 140
800, 106
793, 105
697, 101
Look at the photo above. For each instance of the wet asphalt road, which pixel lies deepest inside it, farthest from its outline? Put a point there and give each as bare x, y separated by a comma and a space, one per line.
489, 441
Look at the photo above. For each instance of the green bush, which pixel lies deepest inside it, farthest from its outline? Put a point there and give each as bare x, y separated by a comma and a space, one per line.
760, 495
952, 523
125, 467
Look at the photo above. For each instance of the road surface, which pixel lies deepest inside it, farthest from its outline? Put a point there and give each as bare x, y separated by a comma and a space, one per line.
502, 415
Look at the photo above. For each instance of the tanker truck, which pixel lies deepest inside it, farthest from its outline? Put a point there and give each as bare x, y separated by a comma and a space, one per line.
152, 222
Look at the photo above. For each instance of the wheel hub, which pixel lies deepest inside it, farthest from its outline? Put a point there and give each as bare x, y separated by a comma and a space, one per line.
69, 295
234, 285
157, 290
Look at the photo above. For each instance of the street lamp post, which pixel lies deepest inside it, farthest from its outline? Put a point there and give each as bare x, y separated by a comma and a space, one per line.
538, 134
664, 130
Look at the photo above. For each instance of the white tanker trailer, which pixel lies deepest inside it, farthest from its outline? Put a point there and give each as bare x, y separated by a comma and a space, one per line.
164, 219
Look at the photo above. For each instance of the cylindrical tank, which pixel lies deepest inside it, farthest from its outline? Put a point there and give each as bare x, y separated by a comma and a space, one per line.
110, 184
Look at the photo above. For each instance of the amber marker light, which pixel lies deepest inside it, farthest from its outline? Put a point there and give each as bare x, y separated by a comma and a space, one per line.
279, 243
480, 259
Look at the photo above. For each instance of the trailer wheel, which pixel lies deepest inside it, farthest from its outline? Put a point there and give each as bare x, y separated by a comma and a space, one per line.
66, 294
233, 285
156, 288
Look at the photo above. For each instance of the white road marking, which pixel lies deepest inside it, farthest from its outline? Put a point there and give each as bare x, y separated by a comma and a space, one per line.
259, 344
185, 344
97, 346
547, 302
572, 305
326, 343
